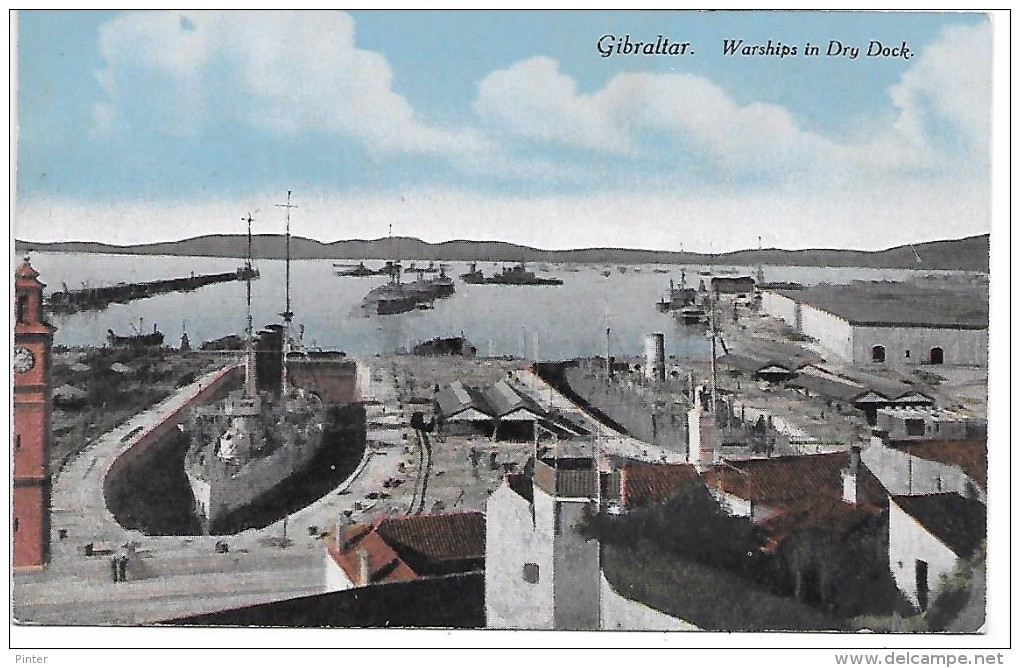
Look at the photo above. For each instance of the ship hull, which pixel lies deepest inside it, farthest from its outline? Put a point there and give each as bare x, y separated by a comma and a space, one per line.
220, 496
285, 434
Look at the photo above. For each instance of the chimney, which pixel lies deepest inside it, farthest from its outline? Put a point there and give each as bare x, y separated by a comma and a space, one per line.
702, 436
850, 475
364, 570
879, 438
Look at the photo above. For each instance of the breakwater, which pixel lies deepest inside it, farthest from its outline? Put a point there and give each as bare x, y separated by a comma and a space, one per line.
98, 298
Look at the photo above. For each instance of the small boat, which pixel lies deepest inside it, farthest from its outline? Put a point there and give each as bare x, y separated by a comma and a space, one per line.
413, 268
137, 340
359, 271
607, 273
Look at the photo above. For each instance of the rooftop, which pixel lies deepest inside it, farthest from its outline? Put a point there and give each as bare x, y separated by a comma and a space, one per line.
787, 479
970, 455
438, 542
383, 563
959, 523
457, 397
645, 483
886, 303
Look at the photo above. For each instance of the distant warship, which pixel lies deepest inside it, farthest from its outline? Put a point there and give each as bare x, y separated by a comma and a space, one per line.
515, 275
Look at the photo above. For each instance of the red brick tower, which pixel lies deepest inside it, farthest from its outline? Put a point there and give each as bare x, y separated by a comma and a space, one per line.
33, 338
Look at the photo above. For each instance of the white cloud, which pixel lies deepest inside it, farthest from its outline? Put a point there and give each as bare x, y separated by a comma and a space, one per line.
533, 99
951, 81
285, 72
939, 127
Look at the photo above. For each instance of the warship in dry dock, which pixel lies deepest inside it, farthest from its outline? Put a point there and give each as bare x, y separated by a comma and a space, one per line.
244, 446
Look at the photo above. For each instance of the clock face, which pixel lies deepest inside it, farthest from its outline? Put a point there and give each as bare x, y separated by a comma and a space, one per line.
24, 360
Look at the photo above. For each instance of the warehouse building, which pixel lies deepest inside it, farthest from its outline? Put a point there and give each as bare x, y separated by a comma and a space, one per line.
894, 324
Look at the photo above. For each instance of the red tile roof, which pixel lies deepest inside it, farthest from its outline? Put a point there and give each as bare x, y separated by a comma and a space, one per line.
814, 514
970, 455
435, 539
383, 563
781, 480
801, 492
644, 483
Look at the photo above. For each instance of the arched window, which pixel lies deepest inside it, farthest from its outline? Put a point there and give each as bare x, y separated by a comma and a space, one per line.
937, 355
22, 314
878, 353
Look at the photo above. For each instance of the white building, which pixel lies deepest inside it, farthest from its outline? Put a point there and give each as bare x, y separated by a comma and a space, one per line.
540, 573
928, 536
896, 324
908, 424
904, 471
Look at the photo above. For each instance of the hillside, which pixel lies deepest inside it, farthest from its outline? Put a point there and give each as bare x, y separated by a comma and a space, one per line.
969, 254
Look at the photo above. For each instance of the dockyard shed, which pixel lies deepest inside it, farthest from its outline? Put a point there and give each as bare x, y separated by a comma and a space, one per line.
908, 424
516, 414
463, 409
894, 324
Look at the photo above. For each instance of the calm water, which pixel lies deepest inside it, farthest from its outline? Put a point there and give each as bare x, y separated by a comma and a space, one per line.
557, 322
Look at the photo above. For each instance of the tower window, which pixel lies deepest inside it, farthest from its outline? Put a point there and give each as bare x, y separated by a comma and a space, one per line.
530, 573
22, 308
878, 354
908, 354
17, 441
16, 523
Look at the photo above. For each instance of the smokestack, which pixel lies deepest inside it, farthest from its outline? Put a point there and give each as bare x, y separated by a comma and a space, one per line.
655, 357
364, 570
851, 475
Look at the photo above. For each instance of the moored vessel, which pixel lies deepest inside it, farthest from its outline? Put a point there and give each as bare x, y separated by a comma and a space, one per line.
248, 444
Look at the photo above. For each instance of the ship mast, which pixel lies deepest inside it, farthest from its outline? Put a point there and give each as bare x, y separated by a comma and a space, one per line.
250, 389
761, 273
287, 314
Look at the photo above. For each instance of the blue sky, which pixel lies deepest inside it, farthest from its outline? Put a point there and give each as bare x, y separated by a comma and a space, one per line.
142, 126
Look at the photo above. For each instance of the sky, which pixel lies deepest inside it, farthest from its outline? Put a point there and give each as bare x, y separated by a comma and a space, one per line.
152, 126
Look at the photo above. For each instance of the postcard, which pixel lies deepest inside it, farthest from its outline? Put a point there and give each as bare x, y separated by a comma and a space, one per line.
508, 328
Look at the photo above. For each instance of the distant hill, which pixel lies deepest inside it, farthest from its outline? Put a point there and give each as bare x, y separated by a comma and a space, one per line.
968, 254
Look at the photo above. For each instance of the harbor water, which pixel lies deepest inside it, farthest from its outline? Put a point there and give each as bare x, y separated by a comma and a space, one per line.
543, 322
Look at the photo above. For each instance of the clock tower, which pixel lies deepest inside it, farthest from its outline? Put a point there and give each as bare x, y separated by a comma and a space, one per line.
33, 339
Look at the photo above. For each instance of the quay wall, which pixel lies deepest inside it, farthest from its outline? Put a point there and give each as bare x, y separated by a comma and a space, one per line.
151, 436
